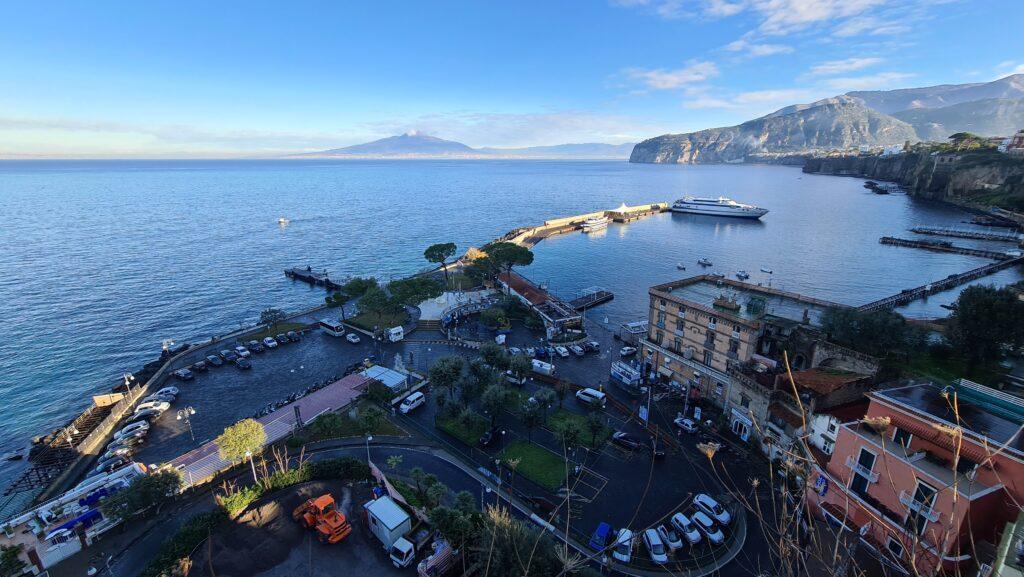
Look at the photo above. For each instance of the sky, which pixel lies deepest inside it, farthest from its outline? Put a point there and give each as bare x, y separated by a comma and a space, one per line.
223, 79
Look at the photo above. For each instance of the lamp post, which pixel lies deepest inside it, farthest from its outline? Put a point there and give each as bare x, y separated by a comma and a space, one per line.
184, 415
368, 439
128, 380
249, 455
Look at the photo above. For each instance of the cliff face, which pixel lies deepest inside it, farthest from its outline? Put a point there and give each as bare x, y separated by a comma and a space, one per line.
834, 123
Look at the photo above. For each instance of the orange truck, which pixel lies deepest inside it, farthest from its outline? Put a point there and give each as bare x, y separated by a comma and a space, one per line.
322, 515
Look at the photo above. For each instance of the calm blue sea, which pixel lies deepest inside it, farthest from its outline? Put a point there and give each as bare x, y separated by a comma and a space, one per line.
102, 260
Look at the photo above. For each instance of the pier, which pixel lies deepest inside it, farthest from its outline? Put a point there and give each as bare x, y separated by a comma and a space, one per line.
961, 233
590, 298
312, 277
949, 282
942, 246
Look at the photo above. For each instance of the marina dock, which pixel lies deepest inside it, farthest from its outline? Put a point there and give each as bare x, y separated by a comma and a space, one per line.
949, 282
942, 246
961, 233
590, 299
312, 277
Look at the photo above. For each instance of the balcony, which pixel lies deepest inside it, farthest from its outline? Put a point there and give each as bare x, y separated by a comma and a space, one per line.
735, 334
923, 509
712, 326
861, 470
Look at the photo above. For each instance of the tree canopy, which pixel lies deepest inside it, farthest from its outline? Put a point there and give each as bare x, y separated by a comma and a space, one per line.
440, 253
986, 318
141, 494
243, 437
879, 333
414, 290
357, 286
506, 255
271, 316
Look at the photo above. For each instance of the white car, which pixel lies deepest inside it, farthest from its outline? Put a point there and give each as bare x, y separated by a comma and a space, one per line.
411, 402
562, 352
712, 508
242, 352
352, 338
709, 528
269, 342
155, 405
131, 430
686, 424
173, 391
626, 351
670, 538
682, 524
577, 350
623, 548
655, 547
514, 351
159, 397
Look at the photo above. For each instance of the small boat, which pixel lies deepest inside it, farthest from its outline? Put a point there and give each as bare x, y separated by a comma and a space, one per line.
766, 270
717, 275
704, 262
742, 275
681, 266
13, 456
283, 221
595, 223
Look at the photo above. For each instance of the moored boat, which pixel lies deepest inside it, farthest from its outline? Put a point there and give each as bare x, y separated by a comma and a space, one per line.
595, 223
720, 206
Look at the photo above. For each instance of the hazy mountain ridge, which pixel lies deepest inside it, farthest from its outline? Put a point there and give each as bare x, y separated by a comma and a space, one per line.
849, 121
418, 145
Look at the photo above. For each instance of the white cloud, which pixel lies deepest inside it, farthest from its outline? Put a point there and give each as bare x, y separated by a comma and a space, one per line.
723, 8
1008, 67
695, 72
868, 26
882, 80
784, 16
842, 66
754, 103
754, 49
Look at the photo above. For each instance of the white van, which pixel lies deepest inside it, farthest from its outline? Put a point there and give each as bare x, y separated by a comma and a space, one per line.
411, 402
395, 334
592, 397
543, 368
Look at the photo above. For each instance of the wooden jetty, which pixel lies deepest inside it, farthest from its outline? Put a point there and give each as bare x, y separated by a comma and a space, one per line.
961, 233
313, 277
591, 299
949, 282
942, 246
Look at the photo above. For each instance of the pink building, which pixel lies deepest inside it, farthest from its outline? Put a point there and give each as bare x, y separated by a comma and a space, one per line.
928, 478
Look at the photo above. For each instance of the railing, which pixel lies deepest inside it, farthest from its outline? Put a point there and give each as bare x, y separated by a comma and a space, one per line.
861, 469
923, 509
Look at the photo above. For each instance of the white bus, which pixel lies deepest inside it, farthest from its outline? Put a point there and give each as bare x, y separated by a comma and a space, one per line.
332, 327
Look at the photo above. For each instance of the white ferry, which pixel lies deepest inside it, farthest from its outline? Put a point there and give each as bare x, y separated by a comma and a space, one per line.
595, 223
720, 206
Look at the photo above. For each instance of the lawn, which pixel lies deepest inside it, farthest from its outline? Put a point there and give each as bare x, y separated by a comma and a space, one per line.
339, 426
536, 464
561, 418
367, 321
275, 330
461, 281
468, 433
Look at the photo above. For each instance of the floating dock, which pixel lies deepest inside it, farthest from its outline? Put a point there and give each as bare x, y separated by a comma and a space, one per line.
961, 233
313, 277
949, 282
591, 299
942, 246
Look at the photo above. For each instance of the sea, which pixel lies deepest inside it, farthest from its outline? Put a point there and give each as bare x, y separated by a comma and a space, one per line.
102, 261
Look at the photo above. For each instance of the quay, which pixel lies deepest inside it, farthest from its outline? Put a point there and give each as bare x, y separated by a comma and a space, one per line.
961, 233
532, 235
941, 246
949, 282
590, 298
312, 277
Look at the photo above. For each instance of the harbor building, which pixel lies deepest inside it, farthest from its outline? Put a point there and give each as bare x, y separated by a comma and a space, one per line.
928, 479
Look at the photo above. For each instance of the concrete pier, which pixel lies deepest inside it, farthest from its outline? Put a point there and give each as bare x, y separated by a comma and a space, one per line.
941, 246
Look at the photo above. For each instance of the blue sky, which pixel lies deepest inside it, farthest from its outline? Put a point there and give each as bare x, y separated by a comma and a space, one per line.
255, 78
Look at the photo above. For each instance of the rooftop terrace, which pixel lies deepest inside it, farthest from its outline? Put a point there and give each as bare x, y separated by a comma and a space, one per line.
754, 301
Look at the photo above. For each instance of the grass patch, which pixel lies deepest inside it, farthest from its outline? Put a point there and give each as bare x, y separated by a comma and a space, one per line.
947, 370
560, 418
367, 321
536, 464
275, 330
467, 432
461, 281
339, 426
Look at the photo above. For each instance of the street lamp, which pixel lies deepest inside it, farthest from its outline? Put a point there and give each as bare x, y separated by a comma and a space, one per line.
128, 380
184, 414
368, 439
248, 455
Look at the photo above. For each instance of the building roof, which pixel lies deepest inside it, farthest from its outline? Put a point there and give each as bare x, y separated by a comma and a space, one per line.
824, 381
391, 379
848, 412
788, 416
387, 512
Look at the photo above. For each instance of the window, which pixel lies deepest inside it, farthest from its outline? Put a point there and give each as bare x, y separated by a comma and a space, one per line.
831, 426
924, 498
659, 337
661, 318
901, 437
734, 346
712, 321
662, 302
682, 312
894, 547
679, 324
708, 357
718, 389
735, 328
744, 401
827, 445
677, 344
859, 483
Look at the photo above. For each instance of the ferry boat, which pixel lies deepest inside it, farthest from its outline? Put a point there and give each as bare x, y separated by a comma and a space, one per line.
284, 221
720, 206
705, 261
595, 223
742, 275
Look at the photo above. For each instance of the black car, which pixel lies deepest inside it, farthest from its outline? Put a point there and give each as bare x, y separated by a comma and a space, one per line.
282, 338
199, 366
488, 438
214, 361
228, 356
255, 346
626, 441
293, 336
145, 415
591, 346
243, 363
657, 452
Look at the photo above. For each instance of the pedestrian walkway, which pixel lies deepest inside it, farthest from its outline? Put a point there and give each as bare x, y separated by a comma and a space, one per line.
200, 464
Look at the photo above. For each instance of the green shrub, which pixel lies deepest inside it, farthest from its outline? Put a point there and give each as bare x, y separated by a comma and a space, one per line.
237, 500
347, 468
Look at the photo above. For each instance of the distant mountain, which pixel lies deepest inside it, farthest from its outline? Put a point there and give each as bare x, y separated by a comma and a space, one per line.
418, 145
889, 101
839, 122
855, 119
990, 117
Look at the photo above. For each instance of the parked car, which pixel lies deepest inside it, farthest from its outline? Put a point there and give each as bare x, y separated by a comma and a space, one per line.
682, 524
488, 438
352, 338
709, 528
255, 346
544, 506
243, 363
131, 429
562, 351
626, 441
577, 350
627, 351
530, 352
158, 405
670, 538
242, 352
591, 346
117, 452
228, 356
184, 374
623, 548
111, 464
592, 397
159, 397
601, 538
293, 336
540, 353
712, 508
131, 441
657, 452
168, 391
514, 351
199, 366
269, 342
686, 424
411, 402
214, 361
145, 415
655, 547
281, 338
551, 352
